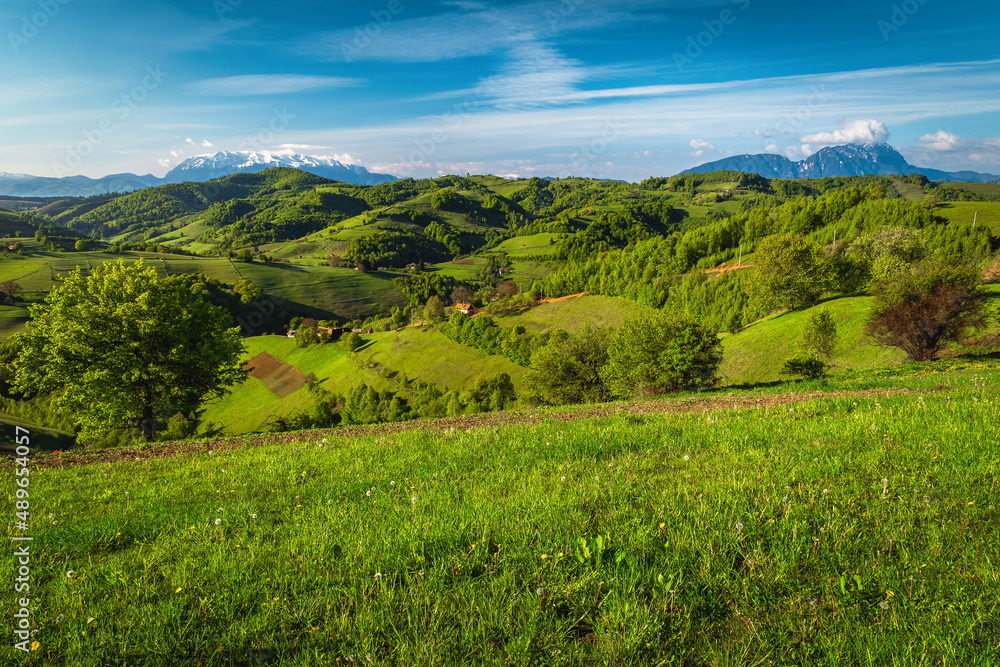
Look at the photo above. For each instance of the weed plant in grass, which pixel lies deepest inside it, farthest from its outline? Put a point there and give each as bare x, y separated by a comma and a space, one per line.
843, 530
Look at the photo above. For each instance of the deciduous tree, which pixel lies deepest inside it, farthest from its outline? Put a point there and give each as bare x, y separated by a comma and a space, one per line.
660, 353
125, 349
920, 310
790, 271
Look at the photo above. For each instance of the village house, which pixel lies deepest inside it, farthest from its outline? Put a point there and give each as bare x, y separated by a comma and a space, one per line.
465, 308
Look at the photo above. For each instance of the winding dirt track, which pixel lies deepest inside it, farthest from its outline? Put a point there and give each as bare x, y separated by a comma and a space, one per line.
80, 457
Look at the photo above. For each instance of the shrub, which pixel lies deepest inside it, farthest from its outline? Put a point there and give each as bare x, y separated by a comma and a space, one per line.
920, 310
805, 365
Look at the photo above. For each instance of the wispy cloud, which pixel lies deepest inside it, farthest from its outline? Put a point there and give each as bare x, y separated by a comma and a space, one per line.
269, 84
535, 75
474, 30
670, 118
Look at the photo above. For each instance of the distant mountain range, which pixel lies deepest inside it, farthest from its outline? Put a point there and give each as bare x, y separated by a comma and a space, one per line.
197, 168
847, 160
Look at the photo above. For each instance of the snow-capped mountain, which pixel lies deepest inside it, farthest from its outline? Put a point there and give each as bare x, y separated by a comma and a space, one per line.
197, 168
223, 163
846, 160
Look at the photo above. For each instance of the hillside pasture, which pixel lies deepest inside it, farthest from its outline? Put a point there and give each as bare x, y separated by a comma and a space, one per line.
757, 353
576, 313
854, 527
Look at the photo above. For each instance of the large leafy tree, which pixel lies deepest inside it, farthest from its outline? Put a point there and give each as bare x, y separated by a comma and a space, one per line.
123, 348
790, 271
568, 368
920, 310
661, 353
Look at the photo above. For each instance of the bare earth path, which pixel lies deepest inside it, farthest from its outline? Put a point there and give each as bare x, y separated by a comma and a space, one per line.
80, 457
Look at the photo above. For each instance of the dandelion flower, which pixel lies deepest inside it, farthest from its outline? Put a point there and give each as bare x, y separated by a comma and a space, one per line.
378, 576
392, 483
883, 605
563, 478
35, 645
739, 526
687, 458
70, 574
253, 516
179, 589
368, 492
218, 521
413, 500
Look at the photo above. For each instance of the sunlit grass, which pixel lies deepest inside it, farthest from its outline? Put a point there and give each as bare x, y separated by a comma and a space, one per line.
843, 530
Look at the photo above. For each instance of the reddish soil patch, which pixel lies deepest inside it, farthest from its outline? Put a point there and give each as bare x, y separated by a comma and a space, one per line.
462, 261
281, 378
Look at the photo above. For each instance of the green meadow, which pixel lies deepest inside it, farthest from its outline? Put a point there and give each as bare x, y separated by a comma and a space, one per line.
851, 523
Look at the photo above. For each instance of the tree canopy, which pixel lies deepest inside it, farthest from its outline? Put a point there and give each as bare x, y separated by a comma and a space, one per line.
790, 271
122, 348
660, 353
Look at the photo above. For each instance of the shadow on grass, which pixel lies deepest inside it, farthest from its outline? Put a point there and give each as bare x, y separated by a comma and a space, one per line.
40, 439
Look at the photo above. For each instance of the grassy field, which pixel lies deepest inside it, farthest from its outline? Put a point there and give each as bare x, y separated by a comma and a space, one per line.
249, 407
382, 363
757, 353
851, 526
430, 356
983, 213
573, 315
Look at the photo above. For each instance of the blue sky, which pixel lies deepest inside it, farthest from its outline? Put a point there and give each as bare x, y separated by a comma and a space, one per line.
613, 88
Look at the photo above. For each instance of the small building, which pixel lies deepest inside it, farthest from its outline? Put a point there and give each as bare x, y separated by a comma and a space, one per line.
465, 308
291, 333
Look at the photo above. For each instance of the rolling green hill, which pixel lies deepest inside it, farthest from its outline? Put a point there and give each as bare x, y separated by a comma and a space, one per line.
757, 353
387, 362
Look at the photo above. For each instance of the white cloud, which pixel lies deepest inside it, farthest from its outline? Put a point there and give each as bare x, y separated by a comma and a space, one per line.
772, 148
700, 146
269, 84
866, 131
164, 162
941, 141
206, 143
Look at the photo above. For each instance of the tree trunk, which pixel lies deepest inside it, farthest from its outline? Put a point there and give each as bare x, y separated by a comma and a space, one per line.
146, 423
